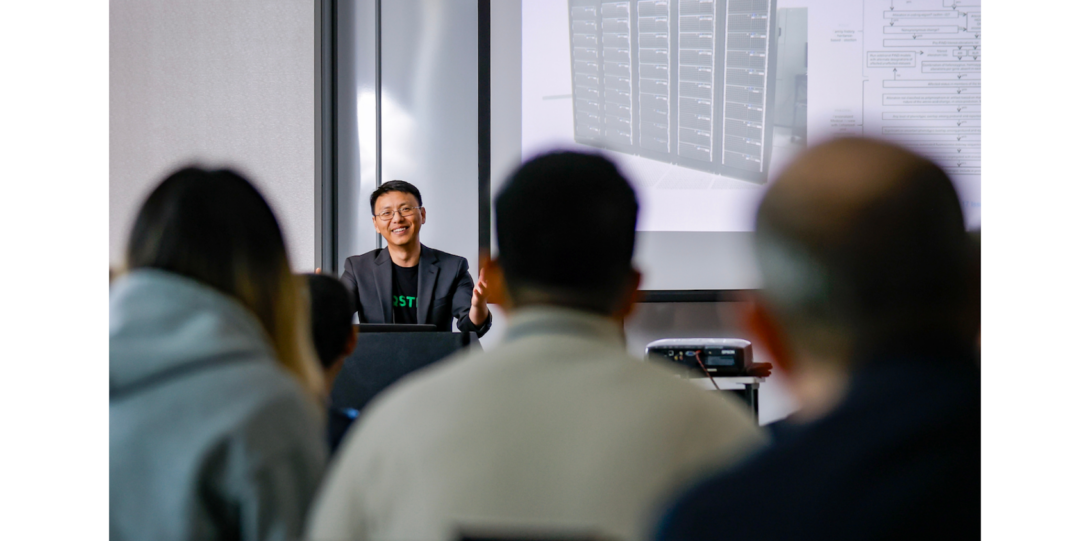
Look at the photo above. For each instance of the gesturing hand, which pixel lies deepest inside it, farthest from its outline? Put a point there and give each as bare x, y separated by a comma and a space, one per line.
480, 291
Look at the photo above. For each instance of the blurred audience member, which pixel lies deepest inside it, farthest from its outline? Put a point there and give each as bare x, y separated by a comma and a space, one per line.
975, 281
556, 431
331, 312
865, 309
215, 424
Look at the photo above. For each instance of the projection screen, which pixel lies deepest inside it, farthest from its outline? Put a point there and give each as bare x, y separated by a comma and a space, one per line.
702, 102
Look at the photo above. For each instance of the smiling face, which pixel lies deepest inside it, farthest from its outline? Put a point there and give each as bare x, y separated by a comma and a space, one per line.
399, 230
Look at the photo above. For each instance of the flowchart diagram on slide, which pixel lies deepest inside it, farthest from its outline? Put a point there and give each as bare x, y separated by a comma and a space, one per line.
921, 78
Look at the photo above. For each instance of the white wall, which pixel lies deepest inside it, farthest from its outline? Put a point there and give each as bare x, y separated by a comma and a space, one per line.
429, 115
220, 83
429, 119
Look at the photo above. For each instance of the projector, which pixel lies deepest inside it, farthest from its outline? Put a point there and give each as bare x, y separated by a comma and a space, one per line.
720, 357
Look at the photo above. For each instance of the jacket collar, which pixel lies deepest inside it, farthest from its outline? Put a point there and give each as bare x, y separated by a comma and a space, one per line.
425, 286
384, 283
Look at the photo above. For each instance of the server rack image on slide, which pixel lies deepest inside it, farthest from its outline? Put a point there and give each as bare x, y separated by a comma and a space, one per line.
688, 82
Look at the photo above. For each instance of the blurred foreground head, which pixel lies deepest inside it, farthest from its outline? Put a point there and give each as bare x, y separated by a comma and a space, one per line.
213, 226
331, 312
862, 244
566, 230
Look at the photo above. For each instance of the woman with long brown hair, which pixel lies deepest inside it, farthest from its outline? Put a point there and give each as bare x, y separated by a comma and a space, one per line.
215, 424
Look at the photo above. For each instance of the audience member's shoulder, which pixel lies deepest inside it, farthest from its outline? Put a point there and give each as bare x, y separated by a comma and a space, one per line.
682, 398
279, 416
742, 488
686, 389
280, 386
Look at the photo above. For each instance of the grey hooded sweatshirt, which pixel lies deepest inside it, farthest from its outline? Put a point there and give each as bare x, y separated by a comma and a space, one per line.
209, 437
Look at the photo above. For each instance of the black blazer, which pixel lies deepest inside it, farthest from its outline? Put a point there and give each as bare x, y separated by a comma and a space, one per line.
899, 458
445, 289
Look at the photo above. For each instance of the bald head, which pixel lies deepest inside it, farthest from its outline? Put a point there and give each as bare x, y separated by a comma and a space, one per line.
860, 241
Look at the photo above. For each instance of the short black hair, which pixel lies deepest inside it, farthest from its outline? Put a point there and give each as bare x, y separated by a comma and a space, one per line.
566, 226
330, 316
395, 186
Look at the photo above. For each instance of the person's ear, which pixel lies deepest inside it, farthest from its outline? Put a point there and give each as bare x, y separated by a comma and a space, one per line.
629, 296
423, 215
350, 345
763, 328
374, 220
497, 283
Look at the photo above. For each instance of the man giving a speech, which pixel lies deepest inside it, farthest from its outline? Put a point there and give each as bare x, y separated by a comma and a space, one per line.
407, 282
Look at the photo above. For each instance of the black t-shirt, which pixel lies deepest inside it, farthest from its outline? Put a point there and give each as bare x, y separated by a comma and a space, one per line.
405, 294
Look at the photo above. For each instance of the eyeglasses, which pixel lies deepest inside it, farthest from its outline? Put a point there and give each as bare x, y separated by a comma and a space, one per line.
387, 215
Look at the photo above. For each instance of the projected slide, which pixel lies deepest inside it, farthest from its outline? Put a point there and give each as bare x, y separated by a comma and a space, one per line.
682, 82
702, 102
922, 80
